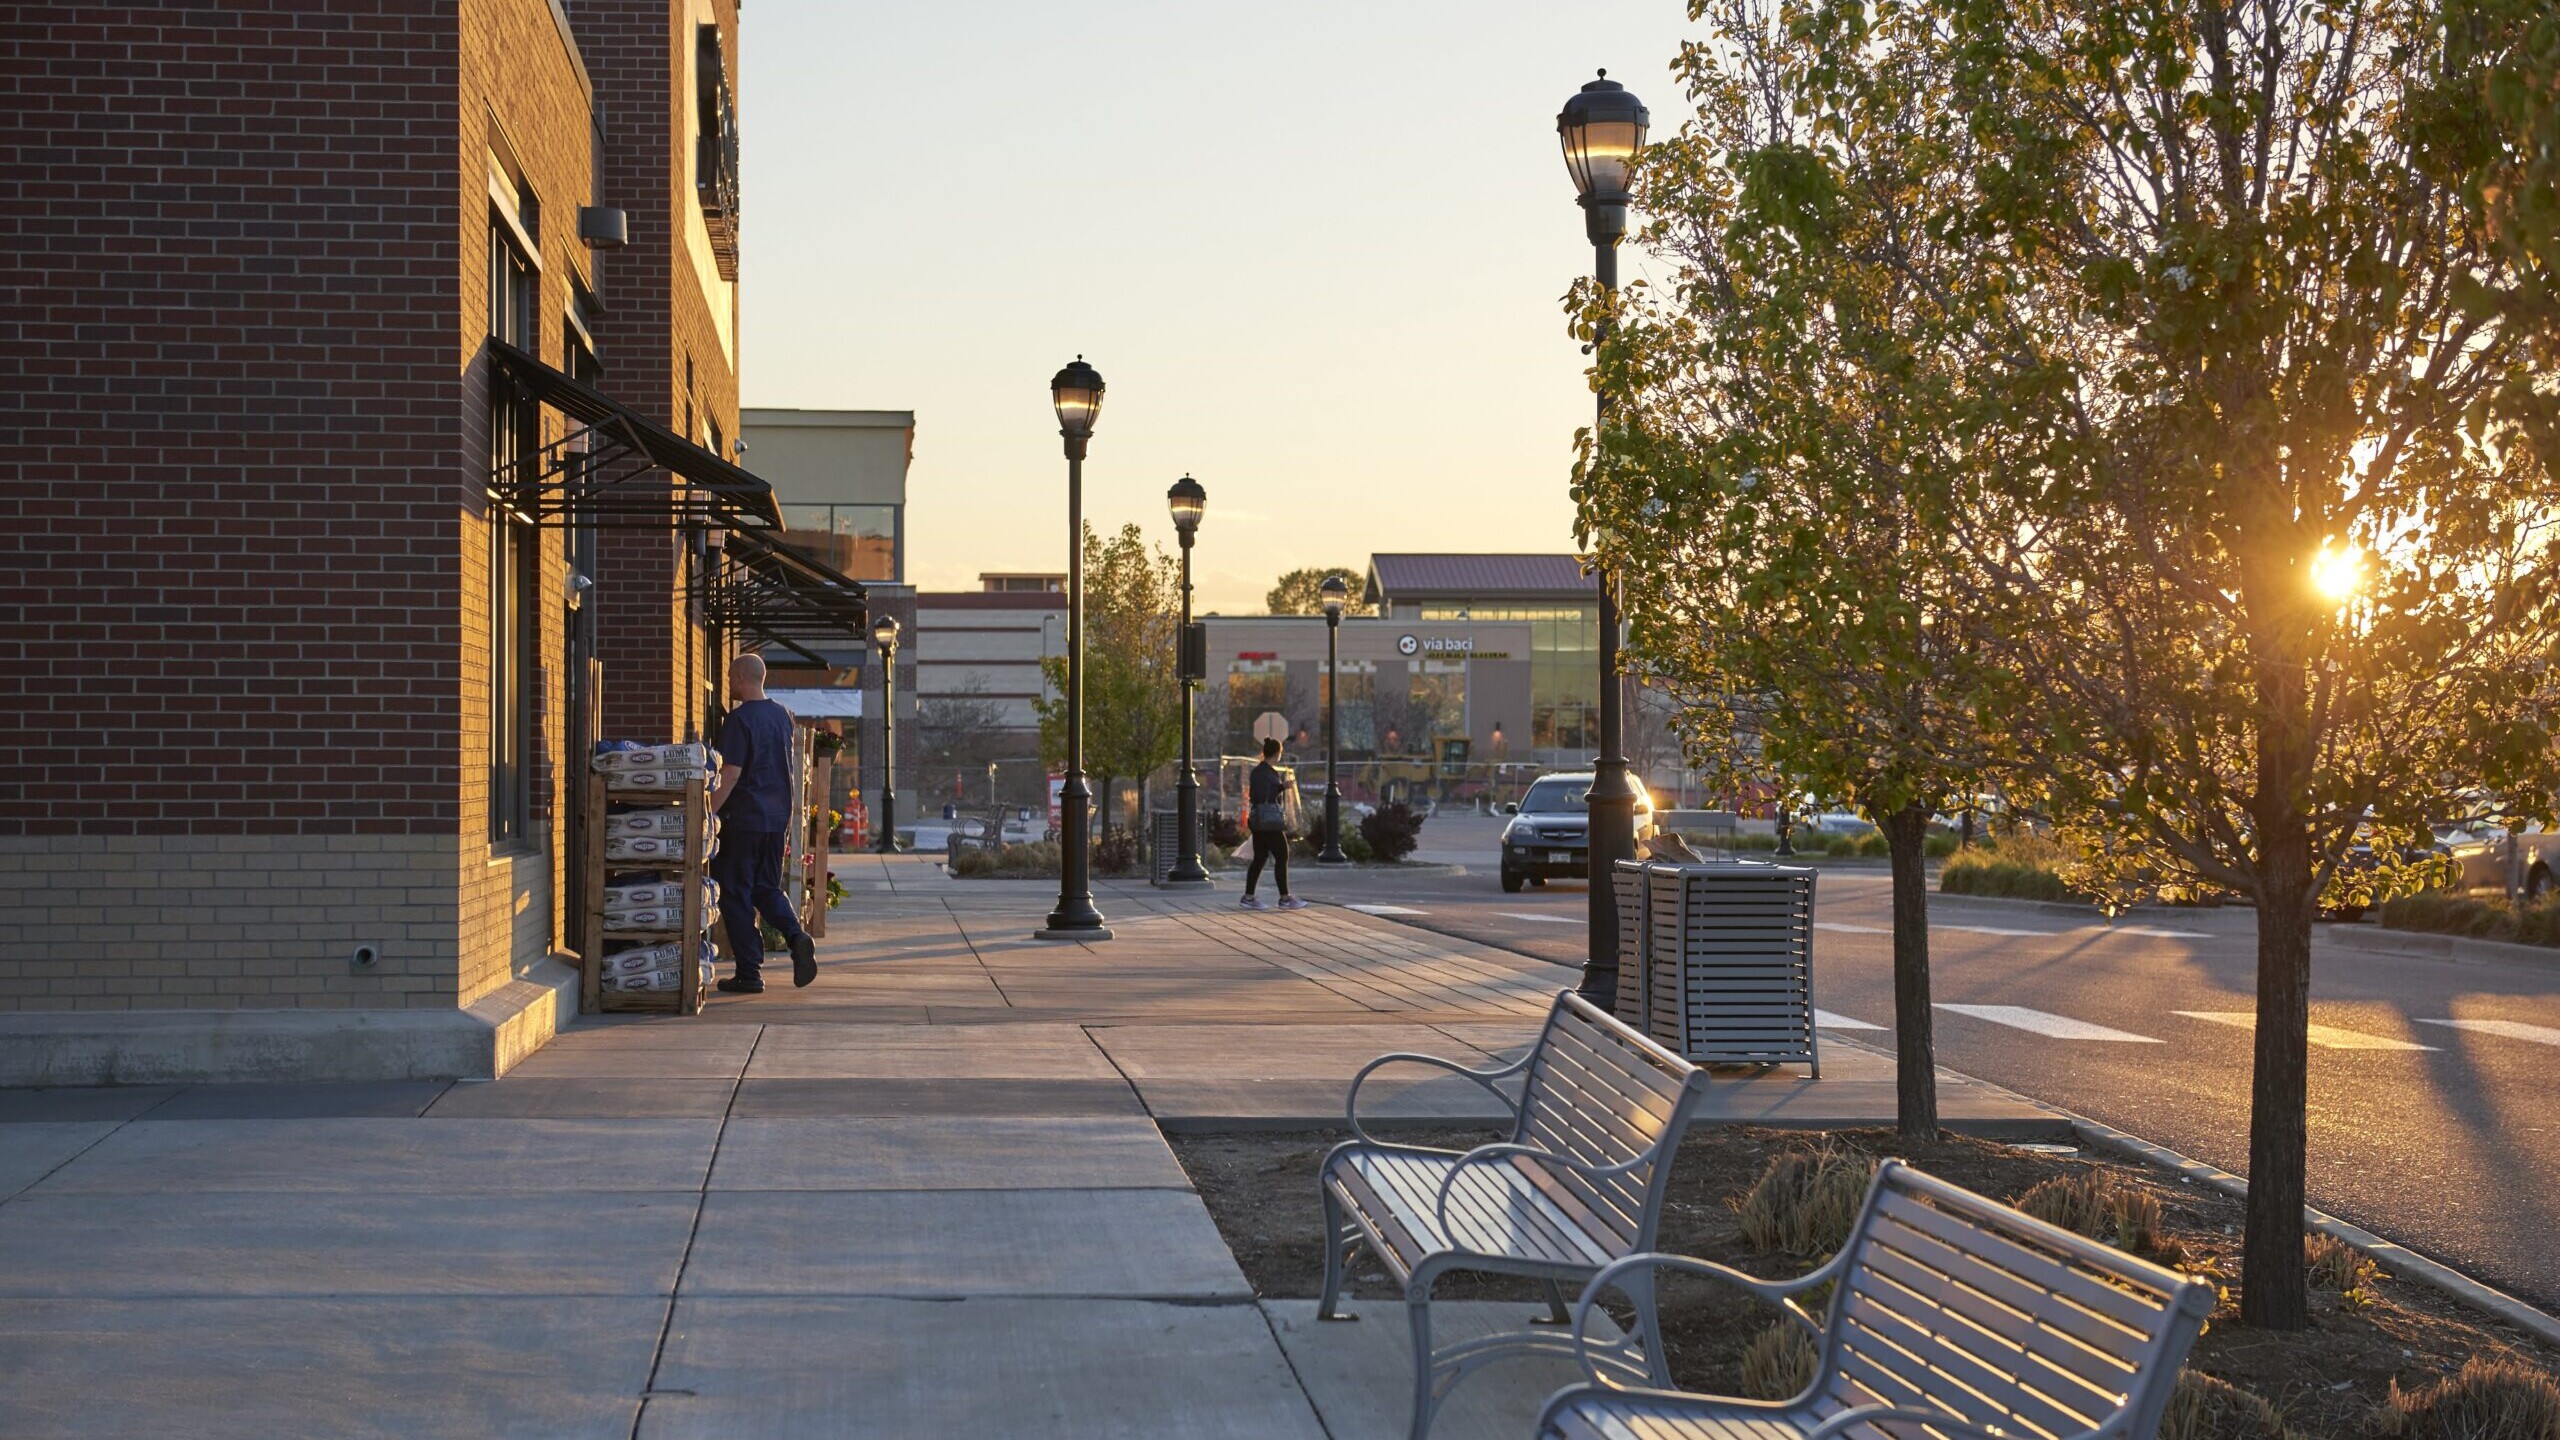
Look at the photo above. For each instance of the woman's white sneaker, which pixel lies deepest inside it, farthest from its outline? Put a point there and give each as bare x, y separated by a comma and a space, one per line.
1249, 903
1293, 903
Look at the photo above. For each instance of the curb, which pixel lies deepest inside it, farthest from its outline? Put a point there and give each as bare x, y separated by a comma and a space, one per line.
2374, 940
2398, 1259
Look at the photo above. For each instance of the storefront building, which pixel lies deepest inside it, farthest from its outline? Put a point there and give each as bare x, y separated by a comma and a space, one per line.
371, 456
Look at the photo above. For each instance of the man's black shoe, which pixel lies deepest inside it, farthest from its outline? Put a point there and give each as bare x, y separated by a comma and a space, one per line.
804, 959
735, 986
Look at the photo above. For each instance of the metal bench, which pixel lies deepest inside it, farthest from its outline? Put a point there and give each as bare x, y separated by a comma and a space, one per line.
1954, 1316
1578, 1185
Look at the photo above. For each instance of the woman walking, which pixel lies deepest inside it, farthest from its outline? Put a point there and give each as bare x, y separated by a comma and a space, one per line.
1267, 817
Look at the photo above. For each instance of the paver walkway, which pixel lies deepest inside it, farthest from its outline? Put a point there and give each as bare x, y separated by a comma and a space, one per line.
928, 1194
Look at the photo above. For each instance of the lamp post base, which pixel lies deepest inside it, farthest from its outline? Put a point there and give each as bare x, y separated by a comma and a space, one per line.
1072, 932
1332, 857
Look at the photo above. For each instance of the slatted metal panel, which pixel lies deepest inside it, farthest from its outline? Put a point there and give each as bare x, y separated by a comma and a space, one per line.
1958, 1304
1635, 989
1596, 1093
1732, 962
1953, 1303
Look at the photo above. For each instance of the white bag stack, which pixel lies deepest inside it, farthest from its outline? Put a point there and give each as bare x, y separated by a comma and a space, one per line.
658, 767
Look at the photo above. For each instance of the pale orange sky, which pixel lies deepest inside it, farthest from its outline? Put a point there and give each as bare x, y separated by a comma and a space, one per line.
1316, 252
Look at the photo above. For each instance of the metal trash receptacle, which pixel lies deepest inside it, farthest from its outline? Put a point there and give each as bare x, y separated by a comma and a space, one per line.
1730, 962
1635, 984
1164, 833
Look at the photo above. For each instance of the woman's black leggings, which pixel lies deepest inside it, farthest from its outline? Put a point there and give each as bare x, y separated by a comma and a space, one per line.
1271, 845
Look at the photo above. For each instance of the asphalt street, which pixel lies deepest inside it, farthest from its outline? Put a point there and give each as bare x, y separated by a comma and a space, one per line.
2432, 1115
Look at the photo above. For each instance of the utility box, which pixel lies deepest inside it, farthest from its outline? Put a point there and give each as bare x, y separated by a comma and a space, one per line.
1728, 962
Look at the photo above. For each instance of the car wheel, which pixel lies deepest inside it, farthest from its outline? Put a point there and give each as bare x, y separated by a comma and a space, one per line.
1510, 881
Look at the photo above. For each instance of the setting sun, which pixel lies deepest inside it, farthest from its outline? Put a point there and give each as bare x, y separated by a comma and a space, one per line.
2337, 571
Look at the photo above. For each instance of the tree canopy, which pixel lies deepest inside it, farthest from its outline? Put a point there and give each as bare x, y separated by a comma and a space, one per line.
1296, 592
1132, 700
2148, 399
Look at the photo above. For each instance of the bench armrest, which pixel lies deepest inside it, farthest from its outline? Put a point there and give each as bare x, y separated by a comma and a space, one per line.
1485, 1078
1487, 1154
1780, 1293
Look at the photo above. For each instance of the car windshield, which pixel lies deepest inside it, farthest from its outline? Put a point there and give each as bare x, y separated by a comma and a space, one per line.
1550, 797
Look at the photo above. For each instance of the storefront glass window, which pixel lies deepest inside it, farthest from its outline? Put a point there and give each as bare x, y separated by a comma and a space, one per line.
1357, 720
1253, 688
866, 543
1435, 705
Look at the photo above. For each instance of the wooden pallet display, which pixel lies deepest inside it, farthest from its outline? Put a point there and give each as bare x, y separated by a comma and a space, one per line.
1731, 963
686, 998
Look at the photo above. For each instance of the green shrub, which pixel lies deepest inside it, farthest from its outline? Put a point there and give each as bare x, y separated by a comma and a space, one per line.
1389, 833
1779, 1363
2096, 1204
2443, 912
1806, 1201
2492, 1398
1116, 853
1938, 847
2334, 1265
2203, 1408
1013, 862
1980, 872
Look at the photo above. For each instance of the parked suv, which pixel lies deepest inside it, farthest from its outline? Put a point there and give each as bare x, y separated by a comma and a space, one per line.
2488, 857
1549, 837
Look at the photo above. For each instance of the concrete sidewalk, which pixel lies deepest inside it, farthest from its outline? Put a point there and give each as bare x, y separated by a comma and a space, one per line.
930, 1192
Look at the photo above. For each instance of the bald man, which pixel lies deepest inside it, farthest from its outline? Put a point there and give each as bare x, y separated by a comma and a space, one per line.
753, 801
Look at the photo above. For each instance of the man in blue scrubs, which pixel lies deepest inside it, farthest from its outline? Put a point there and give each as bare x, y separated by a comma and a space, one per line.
753, 801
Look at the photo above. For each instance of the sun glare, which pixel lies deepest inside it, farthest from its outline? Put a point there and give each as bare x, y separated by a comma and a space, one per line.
2338, 570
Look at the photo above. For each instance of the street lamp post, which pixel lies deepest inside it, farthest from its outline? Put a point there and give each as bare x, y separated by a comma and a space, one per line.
1076, 391
1187, 500
884, 637
1334, 592
1602, 127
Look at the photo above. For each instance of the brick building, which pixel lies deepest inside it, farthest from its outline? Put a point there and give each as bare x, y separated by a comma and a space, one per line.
302, 503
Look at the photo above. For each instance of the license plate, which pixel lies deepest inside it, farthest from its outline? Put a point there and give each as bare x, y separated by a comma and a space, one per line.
1561, 857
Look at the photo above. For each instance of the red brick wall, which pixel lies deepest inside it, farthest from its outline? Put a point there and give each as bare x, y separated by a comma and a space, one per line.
638, 52
226, 408
242, 546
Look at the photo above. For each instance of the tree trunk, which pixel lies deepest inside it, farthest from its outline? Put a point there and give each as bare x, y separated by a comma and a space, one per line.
1906, 836
2272, 1294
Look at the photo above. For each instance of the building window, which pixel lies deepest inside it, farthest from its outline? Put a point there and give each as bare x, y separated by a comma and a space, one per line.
715, 155
513, 550
1254, 688
866, 541
1356, 719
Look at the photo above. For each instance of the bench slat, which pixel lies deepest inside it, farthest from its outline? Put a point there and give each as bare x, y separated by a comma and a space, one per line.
1985, 1248
1963, 1383
2021, 1317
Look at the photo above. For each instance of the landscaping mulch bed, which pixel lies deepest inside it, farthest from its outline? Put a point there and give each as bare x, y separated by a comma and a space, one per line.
1260, 1188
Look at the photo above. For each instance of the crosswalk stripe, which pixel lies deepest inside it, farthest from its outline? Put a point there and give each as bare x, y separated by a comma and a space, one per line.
2507, 1029
1824, 1019
1386, 910
2327, 1037
2158, 934
1996, 930
1835, 925
1534, 915
2059, 1027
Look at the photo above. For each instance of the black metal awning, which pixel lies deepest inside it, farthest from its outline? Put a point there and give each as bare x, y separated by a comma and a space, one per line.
618, 467
771, 595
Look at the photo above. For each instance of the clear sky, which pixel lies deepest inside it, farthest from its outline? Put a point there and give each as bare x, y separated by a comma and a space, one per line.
1315, 250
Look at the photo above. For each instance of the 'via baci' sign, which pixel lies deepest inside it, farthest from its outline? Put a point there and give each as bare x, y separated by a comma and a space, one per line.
1435, 645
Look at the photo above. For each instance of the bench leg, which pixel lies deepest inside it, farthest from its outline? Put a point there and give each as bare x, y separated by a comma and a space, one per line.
1338, 1238
1417, 1309
1637, 1286
1558, 1313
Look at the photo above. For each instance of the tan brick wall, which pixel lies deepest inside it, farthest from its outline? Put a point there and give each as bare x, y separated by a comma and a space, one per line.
173, 922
